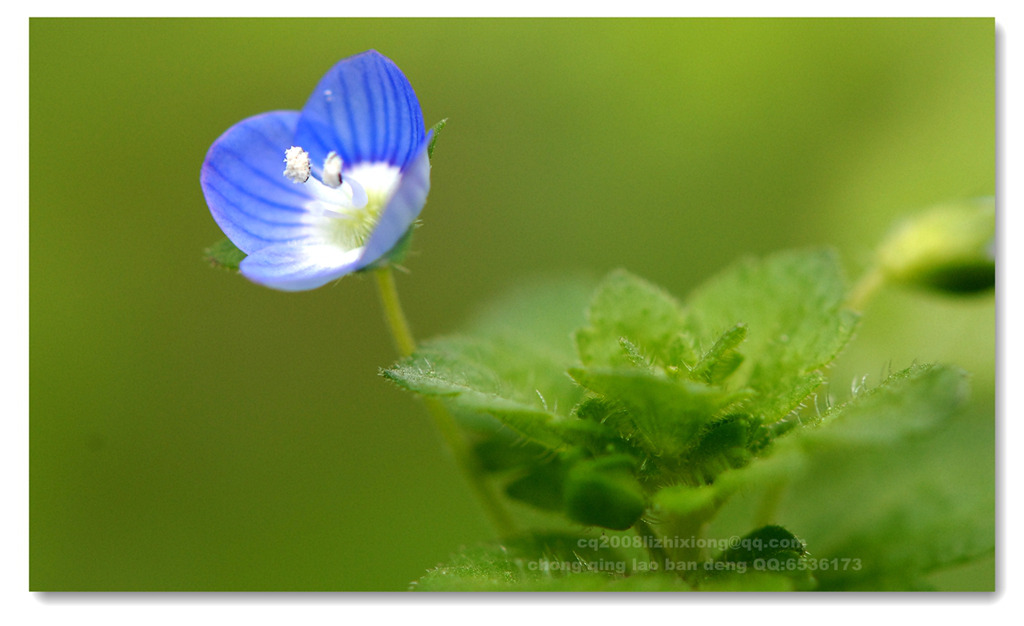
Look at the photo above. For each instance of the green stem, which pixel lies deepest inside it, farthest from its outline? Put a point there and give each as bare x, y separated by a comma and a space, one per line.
693, 526
768, 508
443, 420
652, 543
397, 323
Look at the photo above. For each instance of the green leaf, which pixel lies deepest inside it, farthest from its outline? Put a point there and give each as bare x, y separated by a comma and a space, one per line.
627, 307
563, 562
474, 373
721, 359
910, 402
549, 562
512, 366
685, 501
224, 255
541, 486
724, 444
905, 469
882, 480
436, 128
502, 449
660, 414
604, 492
791, 305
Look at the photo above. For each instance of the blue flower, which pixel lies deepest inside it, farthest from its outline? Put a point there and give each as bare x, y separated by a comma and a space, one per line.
313, 195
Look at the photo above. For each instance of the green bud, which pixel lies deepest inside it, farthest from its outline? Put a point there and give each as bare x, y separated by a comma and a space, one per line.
764, 543
604, 492
540, 486
949, 248
769, 544
723, 445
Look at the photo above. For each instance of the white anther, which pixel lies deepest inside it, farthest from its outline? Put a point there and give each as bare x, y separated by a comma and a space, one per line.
296, 164
332, 170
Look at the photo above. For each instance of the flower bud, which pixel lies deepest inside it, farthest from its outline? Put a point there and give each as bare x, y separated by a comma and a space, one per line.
950, 248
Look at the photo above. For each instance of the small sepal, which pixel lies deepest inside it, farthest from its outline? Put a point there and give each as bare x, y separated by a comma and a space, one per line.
436, 130
224, 255
396, 255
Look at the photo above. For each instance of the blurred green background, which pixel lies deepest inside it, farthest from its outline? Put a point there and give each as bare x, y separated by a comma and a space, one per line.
192, 431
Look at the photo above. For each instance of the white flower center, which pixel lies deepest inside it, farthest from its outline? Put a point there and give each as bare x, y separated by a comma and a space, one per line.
347, 204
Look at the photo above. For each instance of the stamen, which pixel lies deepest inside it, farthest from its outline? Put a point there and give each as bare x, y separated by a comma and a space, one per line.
332, 170
297, 164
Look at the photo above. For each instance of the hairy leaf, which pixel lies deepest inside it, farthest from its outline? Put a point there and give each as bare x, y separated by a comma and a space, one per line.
791, 305
661, 414
512, 363
880, 480
627, 307
548, 562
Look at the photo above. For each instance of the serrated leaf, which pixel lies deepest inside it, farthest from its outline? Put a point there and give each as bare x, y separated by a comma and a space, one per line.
633, 353
721, 359
627, 307
224, 254
594, 436
547, 562
464, 370
661, 414
905, 473
792, 306
907, 403
513, 365
879, 480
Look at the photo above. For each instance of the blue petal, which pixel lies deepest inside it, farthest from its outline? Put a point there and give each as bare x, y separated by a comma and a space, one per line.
250, 199
298, 267
364, 109
402, 209
312, 263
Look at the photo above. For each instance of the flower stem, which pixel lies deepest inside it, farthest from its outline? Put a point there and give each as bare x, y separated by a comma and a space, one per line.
397, 323
865, 288
443, 420
652, 543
